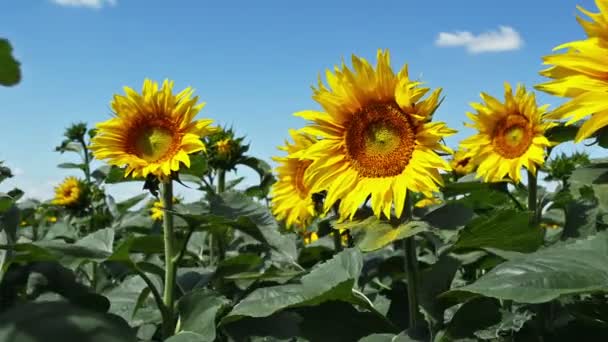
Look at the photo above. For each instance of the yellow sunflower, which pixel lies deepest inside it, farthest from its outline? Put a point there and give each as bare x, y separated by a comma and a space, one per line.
511, 135
461, 164
152, 133
580, 74
310, 237
291, 196
157, 210
427, 202
223, 146
377, 138
68, 193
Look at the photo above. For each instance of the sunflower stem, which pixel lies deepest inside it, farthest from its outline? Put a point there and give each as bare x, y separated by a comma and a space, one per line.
411, 268
532, 192
170, 265
221, 187
337, 240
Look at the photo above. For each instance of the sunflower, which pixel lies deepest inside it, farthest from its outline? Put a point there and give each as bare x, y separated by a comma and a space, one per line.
427, 202
511, 135
461, 164
291, 196
580, 74
152, 133
377, 138
309, 237
68, 193
223, 146
157, 210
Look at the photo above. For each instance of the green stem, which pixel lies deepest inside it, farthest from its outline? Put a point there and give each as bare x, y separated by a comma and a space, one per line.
221, 181
157, 298
221, 241
87, 168
170, 266
337, 240
532, 191
411, 268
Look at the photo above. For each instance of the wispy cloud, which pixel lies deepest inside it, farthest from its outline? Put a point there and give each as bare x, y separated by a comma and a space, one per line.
85, 3
505, 39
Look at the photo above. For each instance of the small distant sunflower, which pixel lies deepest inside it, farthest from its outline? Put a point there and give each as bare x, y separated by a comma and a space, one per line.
223, 146
68, 193
427, 202
152, 133
461, 164
378, 138
580, 74
310, 237
157, 210
291, 196
51, 219
511, 135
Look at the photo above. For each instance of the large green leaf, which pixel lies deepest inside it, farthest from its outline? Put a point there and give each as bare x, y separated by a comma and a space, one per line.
332, 280
449, 216
505, 229
596, 176
403, 337
96, 246
126, 302
255, 219
198, 311
61, 321
572, 267
10, 73
6, 202
71, 166
372, 233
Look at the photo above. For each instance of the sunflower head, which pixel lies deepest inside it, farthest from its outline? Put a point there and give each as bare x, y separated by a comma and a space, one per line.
152, 132
510, 135
461, 164
310, 237
579, 73
157, 211
69, 193
225, 149
51, 219
378, 138
292, 199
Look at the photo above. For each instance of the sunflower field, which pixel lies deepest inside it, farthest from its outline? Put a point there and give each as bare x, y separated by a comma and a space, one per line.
370, 228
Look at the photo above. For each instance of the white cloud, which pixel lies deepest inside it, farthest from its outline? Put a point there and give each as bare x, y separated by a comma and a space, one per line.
85, 3
505, 39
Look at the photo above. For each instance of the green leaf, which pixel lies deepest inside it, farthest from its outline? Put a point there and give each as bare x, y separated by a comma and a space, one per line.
581, 218
332, 280
372, 233
258, 165
238, 264
61, 321
573, 267
596, 176
387, 338
254, 219
198, 311
10, 73
6, 202
198, 166
433, 281
506, 229
186, 336
474, 315
124, 302
71, 166
129, 203
562, 133
449, 216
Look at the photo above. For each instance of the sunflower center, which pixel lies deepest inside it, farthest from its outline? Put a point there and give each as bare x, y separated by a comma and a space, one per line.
153, 143
512, 136
380, 140
298, 178
67, 192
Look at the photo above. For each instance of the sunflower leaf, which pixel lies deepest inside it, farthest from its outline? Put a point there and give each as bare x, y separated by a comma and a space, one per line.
10, 73
372, 233
571, 267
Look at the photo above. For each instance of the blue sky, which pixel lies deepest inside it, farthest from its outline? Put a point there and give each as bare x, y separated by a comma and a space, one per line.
252, 62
